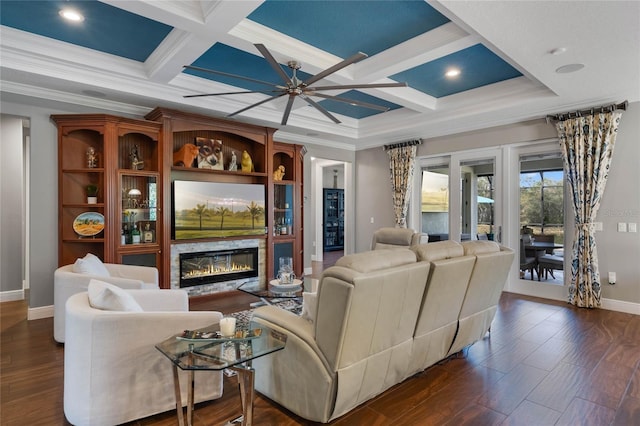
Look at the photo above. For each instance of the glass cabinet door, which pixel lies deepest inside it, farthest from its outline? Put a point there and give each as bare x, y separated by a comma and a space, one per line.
283, 209
139, 209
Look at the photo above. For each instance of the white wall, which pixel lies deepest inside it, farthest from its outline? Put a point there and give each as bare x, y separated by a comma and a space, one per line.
328, 174
43, 193
11, 204
617, 252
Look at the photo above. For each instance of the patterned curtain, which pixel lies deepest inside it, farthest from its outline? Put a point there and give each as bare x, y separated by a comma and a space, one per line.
587, 146
401, 165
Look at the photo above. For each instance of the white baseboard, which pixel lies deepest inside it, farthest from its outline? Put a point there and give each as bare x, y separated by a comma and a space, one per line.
40, 312
621, 306
11, 296
559, 292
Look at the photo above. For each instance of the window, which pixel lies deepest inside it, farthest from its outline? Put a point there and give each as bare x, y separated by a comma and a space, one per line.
434, 205
485, 204
542, 202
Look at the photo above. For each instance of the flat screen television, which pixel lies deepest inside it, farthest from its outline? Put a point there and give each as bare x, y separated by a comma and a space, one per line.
217, 210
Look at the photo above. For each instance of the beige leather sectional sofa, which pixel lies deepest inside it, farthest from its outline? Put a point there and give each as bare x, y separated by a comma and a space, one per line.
381, 316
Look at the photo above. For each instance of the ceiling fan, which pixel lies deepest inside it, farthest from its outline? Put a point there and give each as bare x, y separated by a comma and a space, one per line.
294, 87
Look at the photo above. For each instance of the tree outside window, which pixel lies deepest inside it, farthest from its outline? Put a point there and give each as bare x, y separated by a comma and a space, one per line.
542, 202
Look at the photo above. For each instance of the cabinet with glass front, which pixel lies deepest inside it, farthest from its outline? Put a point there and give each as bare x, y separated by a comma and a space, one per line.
139, 189
287, 207
108, 182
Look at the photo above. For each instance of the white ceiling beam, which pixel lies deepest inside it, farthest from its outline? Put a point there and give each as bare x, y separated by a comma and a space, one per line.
432, 45
197, 26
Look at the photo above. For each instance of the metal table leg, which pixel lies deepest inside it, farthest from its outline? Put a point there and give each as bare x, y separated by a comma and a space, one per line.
246, 380
190, 398
176, 386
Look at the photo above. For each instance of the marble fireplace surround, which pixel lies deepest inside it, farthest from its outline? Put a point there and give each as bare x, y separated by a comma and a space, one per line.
205, 289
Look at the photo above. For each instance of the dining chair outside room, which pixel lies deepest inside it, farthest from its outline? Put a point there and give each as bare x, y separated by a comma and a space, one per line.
527, 263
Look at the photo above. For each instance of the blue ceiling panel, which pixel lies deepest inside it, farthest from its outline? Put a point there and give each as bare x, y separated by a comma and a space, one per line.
344, 28
477, 64
105, 28
355, 111
230, 60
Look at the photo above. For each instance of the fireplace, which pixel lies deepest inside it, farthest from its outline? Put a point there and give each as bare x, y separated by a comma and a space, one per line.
208, 267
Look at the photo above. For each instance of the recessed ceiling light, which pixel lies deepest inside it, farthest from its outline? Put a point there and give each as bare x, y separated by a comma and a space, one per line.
452, 72
71, 15
558, 50
566, 69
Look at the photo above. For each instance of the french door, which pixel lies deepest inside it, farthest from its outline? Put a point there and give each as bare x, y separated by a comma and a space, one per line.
459, 196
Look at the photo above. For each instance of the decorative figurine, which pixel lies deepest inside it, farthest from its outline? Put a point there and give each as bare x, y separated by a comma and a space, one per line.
233, 164
279, 173
92, 158
136, 162
246, 163
184, 156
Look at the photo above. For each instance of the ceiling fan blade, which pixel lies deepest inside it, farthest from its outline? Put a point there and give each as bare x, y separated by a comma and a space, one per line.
287, 110
257, 104
320, 108
359, 86
337, 67
351, 101
274, 64
232, 93
226, 74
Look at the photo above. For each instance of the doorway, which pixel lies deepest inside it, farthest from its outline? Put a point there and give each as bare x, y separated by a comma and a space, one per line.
14, 208
542, 212
331, 192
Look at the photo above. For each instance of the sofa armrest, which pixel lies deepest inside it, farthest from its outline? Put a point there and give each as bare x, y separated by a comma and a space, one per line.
289, 321
298, 376
161, 300
112, 369
145, 274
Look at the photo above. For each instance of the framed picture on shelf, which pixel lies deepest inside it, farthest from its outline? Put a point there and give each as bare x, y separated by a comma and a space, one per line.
210, 154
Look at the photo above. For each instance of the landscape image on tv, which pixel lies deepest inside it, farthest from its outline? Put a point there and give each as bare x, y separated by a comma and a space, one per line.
214, 210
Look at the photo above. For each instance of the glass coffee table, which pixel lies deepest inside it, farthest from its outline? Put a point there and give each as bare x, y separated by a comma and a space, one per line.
276, 292
202, 349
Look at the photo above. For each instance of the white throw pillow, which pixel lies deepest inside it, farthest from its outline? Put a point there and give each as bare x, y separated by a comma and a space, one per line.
109, 297
90, 265
309, 306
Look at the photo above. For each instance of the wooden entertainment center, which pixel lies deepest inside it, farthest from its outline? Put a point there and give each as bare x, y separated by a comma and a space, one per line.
131, 162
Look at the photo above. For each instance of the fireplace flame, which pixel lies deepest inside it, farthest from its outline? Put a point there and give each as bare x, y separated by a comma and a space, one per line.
217, 270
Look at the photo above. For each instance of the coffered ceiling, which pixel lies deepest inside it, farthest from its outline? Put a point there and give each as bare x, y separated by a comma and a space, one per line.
512, 57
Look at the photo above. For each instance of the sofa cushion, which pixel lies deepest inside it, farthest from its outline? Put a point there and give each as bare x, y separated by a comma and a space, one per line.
90, 265
431, 252
375, 260
309, 306
480, 247
109, 297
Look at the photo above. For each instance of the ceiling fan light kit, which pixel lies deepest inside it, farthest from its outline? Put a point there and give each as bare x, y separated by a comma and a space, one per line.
294, 87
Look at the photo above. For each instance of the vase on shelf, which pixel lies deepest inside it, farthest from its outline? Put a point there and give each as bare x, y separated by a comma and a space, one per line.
92, 194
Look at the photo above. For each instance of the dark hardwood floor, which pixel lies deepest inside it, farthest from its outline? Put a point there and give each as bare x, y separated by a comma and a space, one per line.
544, 363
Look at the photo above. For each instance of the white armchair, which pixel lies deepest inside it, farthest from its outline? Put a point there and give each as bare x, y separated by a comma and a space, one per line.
66, 282
112, 371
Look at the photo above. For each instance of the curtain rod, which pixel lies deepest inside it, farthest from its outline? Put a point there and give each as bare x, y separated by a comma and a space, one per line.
590, 111
402, 144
